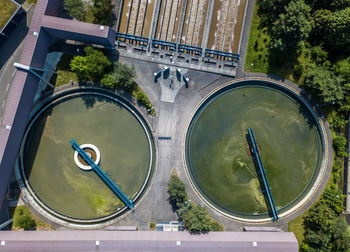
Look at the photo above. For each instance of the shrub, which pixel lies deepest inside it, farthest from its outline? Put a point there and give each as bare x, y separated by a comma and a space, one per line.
108, 81
25, 222
339, 144
177, 190
92, 67
197, 219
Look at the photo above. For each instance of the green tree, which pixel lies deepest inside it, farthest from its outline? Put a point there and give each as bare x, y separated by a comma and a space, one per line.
291, 27
102, 11
197, 219
339, 144
124, 76
177, 190
92, 67
25, 222
269, 10
323, 84
332, 27
343, 67
95, 11
108, 81
77, 9
340, 4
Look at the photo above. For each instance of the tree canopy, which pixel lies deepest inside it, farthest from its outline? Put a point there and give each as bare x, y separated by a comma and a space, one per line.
177, 190
197, 219
122, 76
94, 11
291, 26
323, 84
92, 67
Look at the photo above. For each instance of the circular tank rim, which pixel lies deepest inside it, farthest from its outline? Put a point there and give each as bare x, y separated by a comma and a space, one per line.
53, 215
289, 90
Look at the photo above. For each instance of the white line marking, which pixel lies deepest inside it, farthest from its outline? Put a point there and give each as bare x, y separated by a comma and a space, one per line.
14, 73
7, 89
3, 104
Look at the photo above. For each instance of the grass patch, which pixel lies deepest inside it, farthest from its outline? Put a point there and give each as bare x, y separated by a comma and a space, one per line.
260, 58
257, 59
297, 227
22, 211
64, 74
7, 9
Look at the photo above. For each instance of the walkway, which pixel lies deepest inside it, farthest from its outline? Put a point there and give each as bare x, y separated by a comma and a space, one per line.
263, 179
102, 175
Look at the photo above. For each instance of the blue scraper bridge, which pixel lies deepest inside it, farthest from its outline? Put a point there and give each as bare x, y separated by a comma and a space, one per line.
262, 175
102, 175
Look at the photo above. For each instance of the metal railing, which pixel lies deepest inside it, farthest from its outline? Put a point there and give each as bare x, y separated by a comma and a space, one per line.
257, 159
103, 176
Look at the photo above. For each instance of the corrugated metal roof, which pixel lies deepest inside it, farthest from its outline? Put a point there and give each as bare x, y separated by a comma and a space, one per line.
149, 241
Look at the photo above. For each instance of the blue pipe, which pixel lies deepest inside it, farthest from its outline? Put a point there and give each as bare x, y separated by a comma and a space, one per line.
96, 168
263, 174
104, 177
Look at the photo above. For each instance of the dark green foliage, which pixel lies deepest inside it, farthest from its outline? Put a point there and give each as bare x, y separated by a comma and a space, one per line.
76, 9
197, 219
338, 121
291, 27
25, 222
124, 76
102, 12
269, 10
177, 190
339, 144
92, 67
95, 11
121, 77
340, 4
108, 81
330, 5
330, 233
323, 84
332, 27
143, 100
343, 67
324, 229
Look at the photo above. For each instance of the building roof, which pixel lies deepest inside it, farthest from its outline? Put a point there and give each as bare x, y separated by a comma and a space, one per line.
147, 241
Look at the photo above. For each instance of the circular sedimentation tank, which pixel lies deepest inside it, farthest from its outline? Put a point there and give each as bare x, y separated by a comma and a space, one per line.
54, 182
289, 137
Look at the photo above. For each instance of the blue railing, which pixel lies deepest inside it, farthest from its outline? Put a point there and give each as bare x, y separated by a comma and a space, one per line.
196, 49
142, 40
257, 159
103, 176
169, 45
183, 48
231, 56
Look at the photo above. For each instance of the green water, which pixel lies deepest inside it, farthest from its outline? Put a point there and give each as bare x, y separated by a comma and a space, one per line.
218, 150
49, 162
